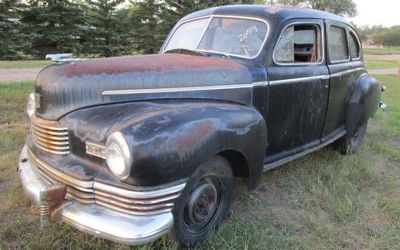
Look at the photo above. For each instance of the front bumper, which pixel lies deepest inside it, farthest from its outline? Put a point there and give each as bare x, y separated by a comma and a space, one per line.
91, 218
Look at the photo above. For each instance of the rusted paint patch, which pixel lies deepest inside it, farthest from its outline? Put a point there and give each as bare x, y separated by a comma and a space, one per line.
146, 63
193, 136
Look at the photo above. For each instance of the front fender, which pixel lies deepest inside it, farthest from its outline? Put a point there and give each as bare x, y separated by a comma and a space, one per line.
363, 103
170, 144
169, 139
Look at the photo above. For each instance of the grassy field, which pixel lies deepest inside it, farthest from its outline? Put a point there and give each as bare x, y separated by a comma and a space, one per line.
24, 64
382, 51
370, 64
321, 201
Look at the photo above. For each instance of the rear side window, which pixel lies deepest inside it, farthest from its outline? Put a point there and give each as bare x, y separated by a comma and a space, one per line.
299, 43
355, 50
337, 44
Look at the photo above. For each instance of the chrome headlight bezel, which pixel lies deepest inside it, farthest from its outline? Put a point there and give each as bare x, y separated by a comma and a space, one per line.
31, 105
118, 156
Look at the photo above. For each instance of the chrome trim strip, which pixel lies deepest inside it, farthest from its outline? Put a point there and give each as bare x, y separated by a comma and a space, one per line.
139, 194
59, 175
175, 89
338, 74
301, 79
322, 29
222, 87
278, 163
221, 16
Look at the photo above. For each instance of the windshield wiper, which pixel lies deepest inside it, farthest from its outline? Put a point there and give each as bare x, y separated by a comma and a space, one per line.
185, 51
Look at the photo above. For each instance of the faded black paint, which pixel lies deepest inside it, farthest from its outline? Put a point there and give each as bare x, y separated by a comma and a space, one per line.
171, 134
168, 142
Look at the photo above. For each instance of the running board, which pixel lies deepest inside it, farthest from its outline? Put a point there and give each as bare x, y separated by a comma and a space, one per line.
278, 163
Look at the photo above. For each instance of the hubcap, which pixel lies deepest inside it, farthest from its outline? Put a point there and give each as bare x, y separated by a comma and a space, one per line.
202, 204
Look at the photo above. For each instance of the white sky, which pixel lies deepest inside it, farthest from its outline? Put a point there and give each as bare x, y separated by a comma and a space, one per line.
381, 12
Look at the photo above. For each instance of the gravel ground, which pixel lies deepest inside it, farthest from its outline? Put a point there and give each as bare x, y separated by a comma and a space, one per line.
390, 71
382, 57
12, 75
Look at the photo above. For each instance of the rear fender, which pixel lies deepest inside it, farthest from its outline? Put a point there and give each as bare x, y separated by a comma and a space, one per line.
363, 103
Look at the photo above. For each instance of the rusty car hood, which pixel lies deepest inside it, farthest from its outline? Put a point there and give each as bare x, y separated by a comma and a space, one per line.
67, 87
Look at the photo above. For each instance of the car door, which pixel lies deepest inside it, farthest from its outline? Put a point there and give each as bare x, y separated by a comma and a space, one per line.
341, 78
298, 89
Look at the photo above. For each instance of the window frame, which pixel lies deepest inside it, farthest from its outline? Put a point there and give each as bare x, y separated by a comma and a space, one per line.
354, 34
340, 26
322, 37
210, 17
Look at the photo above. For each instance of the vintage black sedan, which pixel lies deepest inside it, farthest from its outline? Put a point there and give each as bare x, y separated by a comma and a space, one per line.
131, 148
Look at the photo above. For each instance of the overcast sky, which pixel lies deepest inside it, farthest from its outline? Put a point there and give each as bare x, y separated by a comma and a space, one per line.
381, 12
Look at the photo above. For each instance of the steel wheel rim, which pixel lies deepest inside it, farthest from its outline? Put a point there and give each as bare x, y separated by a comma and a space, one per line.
203, 205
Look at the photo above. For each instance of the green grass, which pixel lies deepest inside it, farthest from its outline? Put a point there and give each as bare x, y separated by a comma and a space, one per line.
381, 64
382, 51
321, 201
24, 64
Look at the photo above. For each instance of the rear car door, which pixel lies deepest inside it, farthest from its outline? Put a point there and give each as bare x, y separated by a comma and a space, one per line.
298, 89
341, 78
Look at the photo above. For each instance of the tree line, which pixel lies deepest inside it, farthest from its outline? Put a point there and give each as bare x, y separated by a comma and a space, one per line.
34, 28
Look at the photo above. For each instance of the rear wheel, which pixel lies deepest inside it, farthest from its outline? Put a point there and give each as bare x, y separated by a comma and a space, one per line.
204, 202
350, 144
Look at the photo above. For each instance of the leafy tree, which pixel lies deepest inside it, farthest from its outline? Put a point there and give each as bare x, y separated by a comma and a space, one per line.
388, 37
153, 19
54, 26
146, 22
12, 40
339, 7
108, 32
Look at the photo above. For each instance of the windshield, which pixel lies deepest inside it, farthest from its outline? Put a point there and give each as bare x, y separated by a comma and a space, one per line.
225, 35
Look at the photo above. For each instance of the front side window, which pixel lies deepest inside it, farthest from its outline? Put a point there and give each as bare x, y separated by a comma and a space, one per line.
354, 46
226, 35
299, 43
337, 43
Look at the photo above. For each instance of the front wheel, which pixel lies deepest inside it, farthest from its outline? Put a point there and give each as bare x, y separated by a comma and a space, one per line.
204, 202
350, 144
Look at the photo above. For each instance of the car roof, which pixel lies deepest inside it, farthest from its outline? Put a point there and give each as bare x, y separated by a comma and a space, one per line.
265, 12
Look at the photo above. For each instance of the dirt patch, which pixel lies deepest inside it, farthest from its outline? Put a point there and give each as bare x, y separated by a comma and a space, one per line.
13, 75
390, 71
382, 57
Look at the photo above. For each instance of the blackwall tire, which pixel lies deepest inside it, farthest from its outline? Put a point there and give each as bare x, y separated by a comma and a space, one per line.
203, 203
350, 144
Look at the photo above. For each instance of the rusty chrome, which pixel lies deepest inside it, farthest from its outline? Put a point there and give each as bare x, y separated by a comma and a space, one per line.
116, 198
91, 218
95, 149
50, 136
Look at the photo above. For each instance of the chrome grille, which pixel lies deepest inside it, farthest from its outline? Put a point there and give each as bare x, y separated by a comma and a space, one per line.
122, 200
50, 136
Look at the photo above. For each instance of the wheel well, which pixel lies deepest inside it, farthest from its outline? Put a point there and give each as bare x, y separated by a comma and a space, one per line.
238, 162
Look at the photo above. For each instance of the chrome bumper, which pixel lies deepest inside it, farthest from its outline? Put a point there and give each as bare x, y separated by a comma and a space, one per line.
91, 218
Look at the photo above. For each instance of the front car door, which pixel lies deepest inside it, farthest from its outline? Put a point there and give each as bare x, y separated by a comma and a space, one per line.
298, 90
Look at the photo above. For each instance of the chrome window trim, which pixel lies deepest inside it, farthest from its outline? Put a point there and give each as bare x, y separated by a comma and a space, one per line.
359, 45
347, 45
222, 16
322, 29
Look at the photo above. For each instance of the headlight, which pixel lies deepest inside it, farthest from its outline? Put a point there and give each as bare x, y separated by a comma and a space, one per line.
31, 106
118, 156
